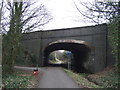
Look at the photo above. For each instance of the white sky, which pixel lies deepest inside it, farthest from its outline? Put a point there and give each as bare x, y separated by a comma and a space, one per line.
64, 13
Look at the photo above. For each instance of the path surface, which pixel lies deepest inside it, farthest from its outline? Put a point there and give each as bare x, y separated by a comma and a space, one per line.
52, 77
55, 77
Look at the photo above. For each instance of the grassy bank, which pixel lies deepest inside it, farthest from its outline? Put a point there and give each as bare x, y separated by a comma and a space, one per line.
19, 79
0, 77
81, 80
107, 78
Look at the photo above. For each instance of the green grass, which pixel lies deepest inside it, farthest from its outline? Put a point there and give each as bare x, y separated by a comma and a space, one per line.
53, 61
17, 80
108, 78
0, 77
107, 81
79, 78
83, 74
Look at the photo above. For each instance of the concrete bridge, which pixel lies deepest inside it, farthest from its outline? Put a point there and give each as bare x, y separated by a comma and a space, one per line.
88, 45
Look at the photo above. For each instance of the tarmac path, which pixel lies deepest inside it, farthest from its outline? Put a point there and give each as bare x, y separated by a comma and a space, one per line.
52, 77
55, 77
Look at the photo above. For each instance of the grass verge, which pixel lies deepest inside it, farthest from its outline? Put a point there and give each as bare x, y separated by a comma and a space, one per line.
108, 78
19, 79
81, 80
0, 77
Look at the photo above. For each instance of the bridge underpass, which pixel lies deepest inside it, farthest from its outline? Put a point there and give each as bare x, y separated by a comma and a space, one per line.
38, 44
79, 49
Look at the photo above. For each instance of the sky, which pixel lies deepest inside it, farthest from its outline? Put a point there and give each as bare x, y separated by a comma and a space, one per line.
65, 14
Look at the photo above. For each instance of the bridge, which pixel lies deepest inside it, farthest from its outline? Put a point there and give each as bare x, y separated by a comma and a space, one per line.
88, 45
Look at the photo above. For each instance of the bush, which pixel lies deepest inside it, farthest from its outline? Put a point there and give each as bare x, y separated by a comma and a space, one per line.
24, 58
113, 38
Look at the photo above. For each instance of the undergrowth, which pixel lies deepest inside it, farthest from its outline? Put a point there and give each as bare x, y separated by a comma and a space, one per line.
17, 80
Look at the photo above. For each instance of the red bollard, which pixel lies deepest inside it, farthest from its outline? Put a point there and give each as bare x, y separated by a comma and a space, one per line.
35, 72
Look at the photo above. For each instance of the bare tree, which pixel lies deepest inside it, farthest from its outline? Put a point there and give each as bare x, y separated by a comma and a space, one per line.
105, 12
98, 12
19, 17
32, 16
1, 4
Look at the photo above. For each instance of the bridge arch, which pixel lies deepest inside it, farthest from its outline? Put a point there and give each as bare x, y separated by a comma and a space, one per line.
80, 50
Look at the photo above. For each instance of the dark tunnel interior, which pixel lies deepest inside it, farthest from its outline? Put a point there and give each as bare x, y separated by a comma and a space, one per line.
80, 54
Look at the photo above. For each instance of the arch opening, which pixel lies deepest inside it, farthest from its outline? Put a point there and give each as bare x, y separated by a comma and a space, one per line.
79, 49
60, 58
